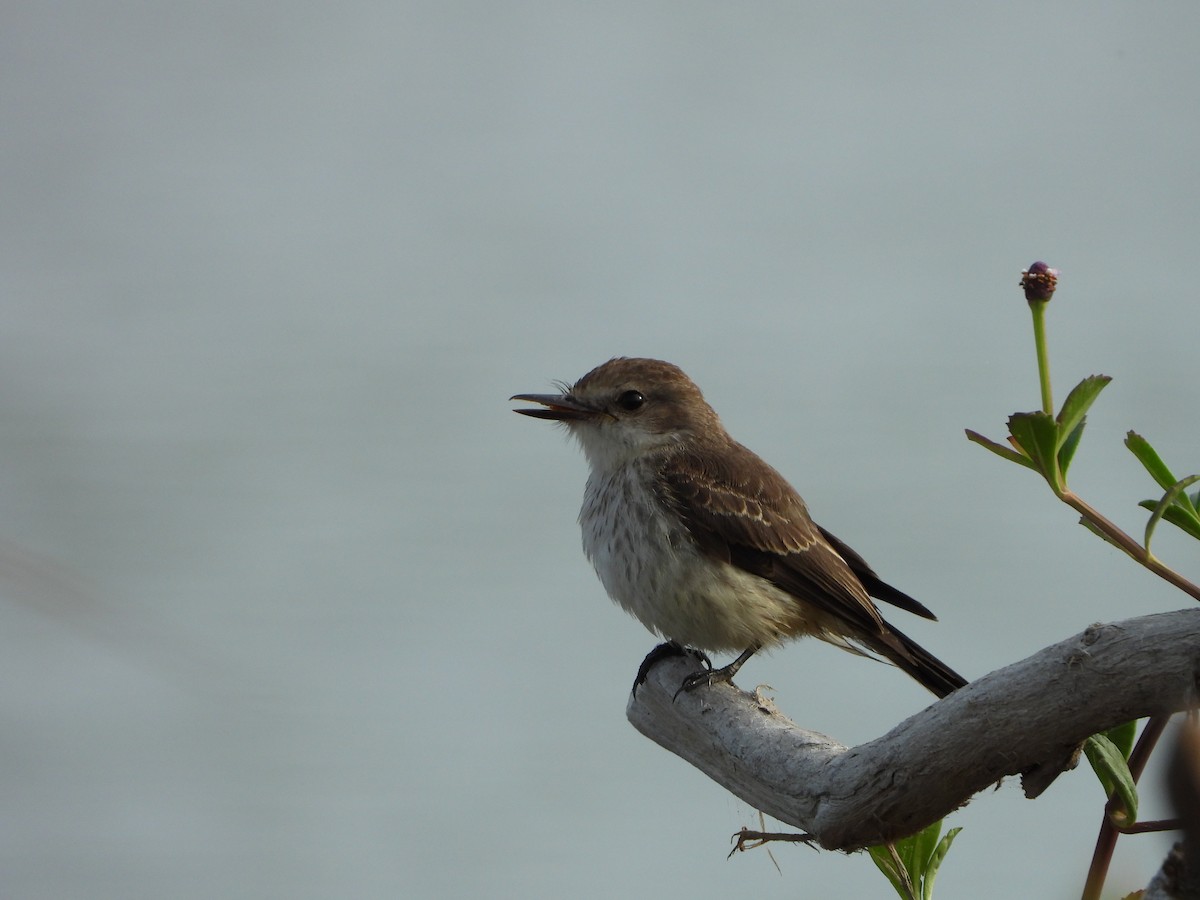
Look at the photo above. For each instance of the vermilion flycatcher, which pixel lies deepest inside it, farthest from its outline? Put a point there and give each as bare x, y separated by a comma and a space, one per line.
705, 543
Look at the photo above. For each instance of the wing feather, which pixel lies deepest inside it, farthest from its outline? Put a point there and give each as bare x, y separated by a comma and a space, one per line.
876, 587
742, 511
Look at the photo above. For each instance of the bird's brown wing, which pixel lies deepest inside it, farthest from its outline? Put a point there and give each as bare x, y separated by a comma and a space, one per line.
742, 511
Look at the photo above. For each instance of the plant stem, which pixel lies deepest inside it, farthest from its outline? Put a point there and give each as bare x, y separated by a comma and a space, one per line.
1152, 827
1043, 357
1131, 547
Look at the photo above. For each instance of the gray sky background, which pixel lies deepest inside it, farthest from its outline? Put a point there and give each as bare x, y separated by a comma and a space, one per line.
291, 604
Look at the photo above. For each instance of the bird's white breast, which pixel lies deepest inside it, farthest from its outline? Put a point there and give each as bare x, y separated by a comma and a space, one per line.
650, 565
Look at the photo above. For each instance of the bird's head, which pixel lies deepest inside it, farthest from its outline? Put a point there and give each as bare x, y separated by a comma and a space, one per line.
626, 408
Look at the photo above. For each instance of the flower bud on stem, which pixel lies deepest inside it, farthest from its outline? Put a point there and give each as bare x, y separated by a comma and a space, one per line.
1039, 282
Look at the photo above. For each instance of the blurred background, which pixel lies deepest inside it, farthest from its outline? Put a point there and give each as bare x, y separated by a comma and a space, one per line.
291, 604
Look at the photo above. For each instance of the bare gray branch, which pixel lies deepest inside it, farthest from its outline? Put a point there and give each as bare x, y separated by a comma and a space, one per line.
1005, 723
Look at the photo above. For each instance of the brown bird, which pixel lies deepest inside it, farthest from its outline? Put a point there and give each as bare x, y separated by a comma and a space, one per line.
705, 543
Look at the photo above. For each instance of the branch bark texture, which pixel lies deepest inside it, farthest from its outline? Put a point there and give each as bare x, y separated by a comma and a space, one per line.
1008, 722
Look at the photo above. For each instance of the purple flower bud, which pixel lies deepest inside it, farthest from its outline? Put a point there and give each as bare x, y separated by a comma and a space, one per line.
1039, 282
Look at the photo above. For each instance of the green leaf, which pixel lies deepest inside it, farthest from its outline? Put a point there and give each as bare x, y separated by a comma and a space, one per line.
1169, 501
1037, 434
1067, 450
1076, 405
1148, 457
882, 855
1177, 517
1122, 737
1176, 506
916, 849
935, 862
1072, 418
999, 449
1113, 771
911, 863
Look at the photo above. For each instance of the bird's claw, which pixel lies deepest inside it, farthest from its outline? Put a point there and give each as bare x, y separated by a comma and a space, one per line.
663, 651
703, 679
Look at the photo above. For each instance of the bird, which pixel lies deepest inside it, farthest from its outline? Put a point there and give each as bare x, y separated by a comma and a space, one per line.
704, 542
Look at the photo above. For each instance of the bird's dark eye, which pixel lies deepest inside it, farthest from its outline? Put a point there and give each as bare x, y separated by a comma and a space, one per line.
631, 400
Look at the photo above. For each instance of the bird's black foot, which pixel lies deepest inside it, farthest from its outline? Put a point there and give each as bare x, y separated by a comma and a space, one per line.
723, 675
664, 651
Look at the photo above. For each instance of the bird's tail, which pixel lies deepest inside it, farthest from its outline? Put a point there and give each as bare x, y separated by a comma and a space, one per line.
918, 662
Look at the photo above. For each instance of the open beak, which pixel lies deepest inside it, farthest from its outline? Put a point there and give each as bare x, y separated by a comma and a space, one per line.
557, 407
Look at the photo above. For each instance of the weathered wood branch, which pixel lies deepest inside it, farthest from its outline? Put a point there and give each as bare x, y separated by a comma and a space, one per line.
1008, 722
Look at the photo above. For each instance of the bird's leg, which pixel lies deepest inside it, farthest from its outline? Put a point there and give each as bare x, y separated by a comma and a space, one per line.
714, 676
661, 652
